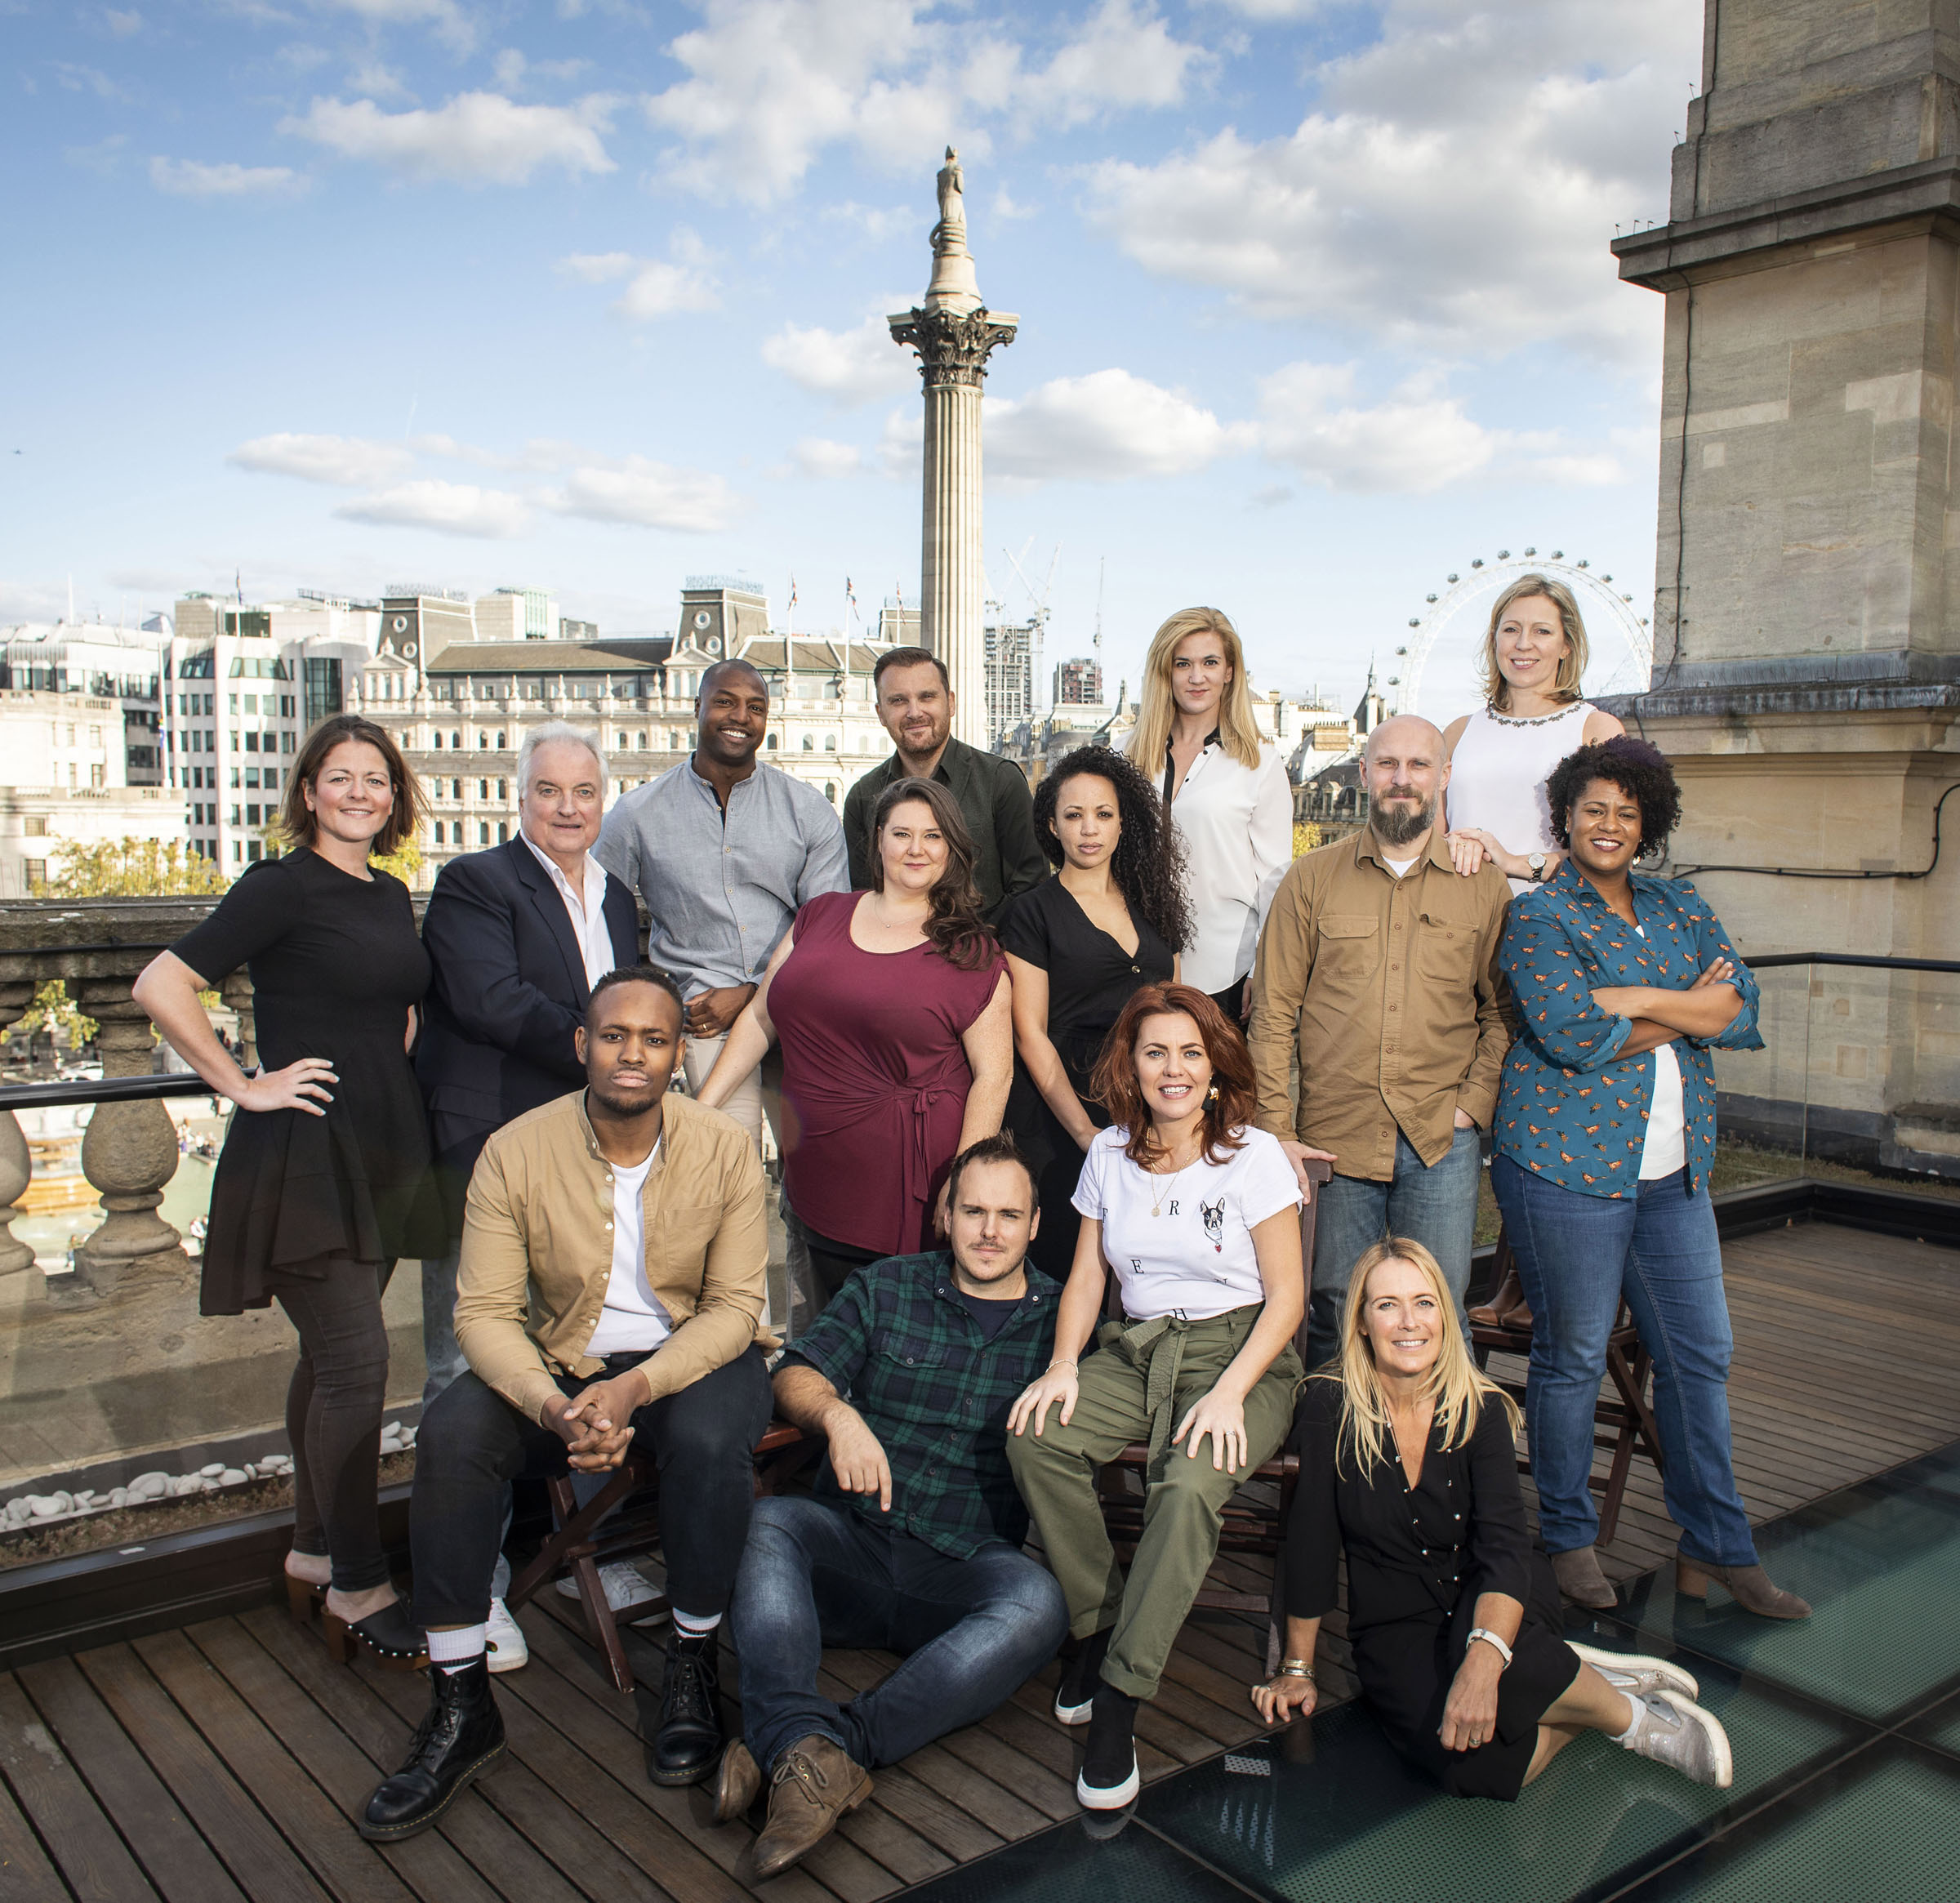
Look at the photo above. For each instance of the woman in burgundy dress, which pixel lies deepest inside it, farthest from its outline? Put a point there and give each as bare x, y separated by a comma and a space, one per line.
898, 1040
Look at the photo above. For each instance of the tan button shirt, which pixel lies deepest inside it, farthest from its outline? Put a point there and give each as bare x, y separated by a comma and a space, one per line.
538, 1248
1388, 988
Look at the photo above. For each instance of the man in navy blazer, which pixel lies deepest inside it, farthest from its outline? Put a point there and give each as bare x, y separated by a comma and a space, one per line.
518, 935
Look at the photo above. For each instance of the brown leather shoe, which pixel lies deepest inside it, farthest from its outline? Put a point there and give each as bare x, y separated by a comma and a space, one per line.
736, 1784
1579, 1578
1509, 1294
813, 1785
1750, 1586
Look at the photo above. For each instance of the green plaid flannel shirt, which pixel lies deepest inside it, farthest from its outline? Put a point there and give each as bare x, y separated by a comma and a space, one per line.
899, 1344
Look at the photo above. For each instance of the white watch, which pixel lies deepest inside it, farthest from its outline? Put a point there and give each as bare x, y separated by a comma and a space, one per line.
1489, 1638
1536, 861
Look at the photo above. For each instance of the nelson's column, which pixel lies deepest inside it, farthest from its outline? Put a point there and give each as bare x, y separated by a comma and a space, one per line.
954, 333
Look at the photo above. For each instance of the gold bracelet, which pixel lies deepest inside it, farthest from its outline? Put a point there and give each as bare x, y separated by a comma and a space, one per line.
1064, 1361
1295, 1669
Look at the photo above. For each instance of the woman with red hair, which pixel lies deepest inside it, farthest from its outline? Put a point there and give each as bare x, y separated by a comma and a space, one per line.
1194, 1211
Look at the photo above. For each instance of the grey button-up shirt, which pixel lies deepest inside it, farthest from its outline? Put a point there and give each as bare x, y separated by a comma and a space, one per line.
721, 892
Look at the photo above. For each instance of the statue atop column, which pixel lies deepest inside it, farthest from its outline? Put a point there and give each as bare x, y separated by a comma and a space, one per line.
952, 205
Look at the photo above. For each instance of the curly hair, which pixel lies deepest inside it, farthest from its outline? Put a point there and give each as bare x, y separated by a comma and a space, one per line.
1640, 771
1148, 863
955, 927
1114, 1086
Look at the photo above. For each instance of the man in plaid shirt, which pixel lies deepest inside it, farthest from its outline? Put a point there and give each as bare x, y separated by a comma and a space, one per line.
913, 1540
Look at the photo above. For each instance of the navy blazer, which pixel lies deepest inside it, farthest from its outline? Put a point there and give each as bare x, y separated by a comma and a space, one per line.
509, 989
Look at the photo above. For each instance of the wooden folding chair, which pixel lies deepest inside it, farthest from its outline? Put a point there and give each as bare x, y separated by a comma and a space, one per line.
1252, 1524
1623, 1422
582, 1544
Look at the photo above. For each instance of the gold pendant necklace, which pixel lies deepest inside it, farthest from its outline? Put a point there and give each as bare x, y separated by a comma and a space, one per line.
1156, 1205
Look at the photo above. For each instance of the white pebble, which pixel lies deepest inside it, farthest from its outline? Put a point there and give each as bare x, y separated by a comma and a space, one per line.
44, 1506
151, 1486
118, 1496
212, 1470
233, 1477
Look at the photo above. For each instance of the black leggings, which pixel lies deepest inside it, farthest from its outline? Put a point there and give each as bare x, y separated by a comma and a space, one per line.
333, 1417
835, 1262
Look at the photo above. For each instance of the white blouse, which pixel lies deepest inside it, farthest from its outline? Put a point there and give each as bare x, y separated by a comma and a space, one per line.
1498, 775
1236, 824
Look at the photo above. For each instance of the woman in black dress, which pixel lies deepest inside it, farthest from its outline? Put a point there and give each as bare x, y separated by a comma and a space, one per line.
1112, 919
324, 1179
1408, 1459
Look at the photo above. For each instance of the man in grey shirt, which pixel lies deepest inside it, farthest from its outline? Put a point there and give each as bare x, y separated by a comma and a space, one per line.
724, 850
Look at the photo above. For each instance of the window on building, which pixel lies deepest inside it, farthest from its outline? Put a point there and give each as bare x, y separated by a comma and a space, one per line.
238, 851
830, 792
456, 742
252, 703
252, 813
234, 779
235, 810
809, 743
503, 835
285, 706
829, 743
253, 850
36, 873
483, 789
483, 832
483, 742
95, 736
438, 832
438, 742
286, 742
643, 743
500, 743
503, 789
771, 743
456, 789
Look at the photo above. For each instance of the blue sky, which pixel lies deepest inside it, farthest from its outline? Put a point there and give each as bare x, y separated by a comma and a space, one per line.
1316, 302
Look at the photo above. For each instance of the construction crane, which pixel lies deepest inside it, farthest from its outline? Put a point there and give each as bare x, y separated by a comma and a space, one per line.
1038, 619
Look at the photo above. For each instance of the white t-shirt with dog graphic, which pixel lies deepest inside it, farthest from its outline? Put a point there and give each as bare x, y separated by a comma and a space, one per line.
1195, 1256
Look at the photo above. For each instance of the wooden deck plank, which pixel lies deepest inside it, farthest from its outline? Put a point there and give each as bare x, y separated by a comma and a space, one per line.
25, 1871
177, 1861
82, 1842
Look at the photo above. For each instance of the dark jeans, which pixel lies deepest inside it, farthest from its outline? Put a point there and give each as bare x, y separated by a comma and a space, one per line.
1577, 1255
473, 1443
817, 1573
333, 1418
835, 1262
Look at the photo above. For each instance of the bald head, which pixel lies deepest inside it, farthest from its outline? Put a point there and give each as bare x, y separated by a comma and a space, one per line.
1407, 772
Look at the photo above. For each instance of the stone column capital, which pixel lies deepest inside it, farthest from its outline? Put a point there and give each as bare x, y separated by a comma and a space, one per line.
952, 345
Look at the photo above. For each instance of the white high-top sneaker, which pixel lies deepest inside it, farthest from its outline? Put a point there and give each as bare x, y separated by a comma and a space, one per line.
1635, 1674
1675, 1732
504, 1640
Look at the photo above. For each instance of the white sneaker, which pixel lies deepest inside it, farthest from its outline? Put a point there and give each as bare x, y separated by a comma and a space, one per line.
1636, 1674
625, 1589
506, 1645
1675, 1732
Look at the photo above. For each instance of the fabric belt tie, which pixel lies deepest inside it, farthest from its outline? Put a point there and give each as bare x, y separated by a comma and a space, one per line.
1159, 1342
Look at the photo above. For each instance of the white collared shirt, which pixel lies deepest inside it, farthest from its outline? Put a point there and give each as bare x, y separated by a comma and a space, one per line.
588, 915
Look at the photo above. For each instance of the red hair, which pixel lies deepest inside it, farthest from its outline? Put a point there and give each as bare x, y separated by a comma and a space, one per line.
1236, 1091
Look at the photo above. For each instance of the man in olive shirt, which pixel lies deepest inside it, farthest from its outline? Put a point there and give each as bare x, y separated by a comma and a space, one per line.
614, 1246
1378, 968
914, 700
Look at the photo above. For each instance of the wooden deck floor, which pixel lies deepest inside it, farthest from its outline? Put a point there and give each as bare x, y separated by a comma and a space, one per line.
224, 1760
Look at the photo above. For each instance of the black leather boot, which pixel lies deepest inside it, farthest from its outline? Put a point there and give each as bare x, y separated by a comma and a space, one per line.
687, 1743
462, 1735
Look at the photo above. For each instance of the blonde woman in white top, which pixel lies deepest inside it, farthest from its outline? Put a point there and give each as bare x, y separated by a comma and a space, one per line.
1226, 789
1534, 658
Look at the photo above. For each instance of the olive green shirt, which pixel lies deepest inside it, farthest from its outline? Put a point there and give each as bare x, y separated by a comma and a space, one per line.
538, 1248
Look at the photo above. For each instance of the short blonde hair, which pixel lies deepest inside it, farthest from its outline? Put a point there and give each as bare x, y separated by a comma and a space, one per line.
1238, 731
1459, 1388
1571, 668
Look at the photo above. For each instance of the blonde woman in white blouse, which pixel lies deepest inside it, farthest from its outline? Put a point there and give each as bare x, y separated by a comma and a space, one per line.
1225, 789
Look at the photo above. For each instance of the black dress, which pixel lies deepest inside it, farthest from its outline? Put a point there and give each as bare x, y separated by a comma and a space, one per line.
1090, 978
336, 965
1417, 1560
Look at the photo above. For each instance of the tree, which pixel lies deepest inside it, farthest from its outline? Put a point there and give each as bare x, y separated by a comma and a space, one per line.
405, 862
129, 868
1305, 836
53, 1011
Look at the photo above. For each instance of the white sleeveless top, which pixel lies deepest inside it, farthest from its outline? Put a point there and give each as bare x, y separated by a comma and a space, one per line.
1498, 775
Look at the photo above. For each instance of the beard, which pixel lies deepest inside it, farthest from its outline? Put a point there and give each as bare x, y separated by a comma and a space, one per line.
1397, 825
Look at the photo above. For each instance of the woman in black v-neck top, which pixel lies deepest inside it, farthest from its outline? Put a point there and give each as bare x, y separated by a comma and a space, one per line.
1102, 825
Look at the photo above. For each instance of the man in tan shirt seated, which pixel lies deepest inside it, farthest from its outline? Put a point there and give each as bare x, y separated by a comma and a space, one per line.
613, 1253
1376, 967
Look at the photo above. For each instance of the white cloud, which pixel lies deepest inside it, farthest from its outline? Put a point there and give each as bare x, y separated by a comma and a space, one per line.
848, 367
445, 17
598, 267
645, 494
824, 460
1412, 443
477, 138
448, 508
658, 287
121, 25
189, 178
380, 81
352, 462
772, 83
1105, 427
1439, 195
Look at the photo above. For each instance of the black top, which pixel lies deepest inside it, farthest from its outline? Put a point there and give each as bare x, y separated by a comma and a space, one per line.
1090, 976
507, 990
336, 965
991, 1311
1411, 1553
997, 807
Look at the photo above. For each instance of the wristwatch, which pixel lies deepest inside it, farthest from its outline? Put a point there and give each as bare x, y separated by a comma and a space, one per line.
1491, 1639
1536, 861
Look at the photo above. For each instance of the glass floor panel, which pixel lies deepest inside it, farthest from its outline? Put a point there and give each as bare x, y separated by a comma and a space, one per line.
1067, 1865
1886, 1824
1940, 1726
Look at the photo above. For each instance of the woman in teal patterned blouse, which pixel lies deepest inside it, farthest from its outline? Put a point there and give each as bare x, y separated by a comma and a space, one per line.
1604, 1138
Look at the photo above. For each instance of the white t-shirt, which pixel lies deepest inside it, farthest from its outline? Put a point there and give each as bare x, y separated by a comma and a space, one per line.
1666, 1148
632, 1322
1399, 867
1195, 1256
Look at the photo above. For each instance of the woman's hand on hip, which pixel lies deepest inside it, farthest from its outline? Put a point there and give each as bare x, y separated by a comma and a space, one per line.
1470, 1712
1284, 1697
1057, 1385
1224, 1420
300, 1086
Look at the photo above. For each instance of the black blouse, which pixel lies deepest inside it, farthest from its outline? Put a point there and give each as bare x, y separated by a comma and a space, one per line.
1090, 976
1412, 1553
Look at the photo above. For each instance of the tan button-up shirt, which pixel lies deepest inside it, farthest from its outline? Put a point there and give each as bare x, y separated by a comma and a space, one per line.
1388, 988
538, 1248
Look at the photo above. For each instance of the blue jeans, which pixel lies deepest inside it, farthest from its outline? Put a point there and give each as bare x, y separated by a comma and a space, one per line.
1434, 1205
1577, 1256
816, 1574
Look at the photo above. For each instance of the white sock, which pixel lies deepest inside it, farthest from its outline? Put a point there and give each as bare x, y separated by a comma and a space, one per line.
693, 1625
452, 1651
1625, 1737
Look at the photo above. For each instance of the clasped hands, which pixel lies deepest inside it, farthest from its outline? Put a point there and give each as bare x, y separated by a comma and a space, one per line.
596, 1423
